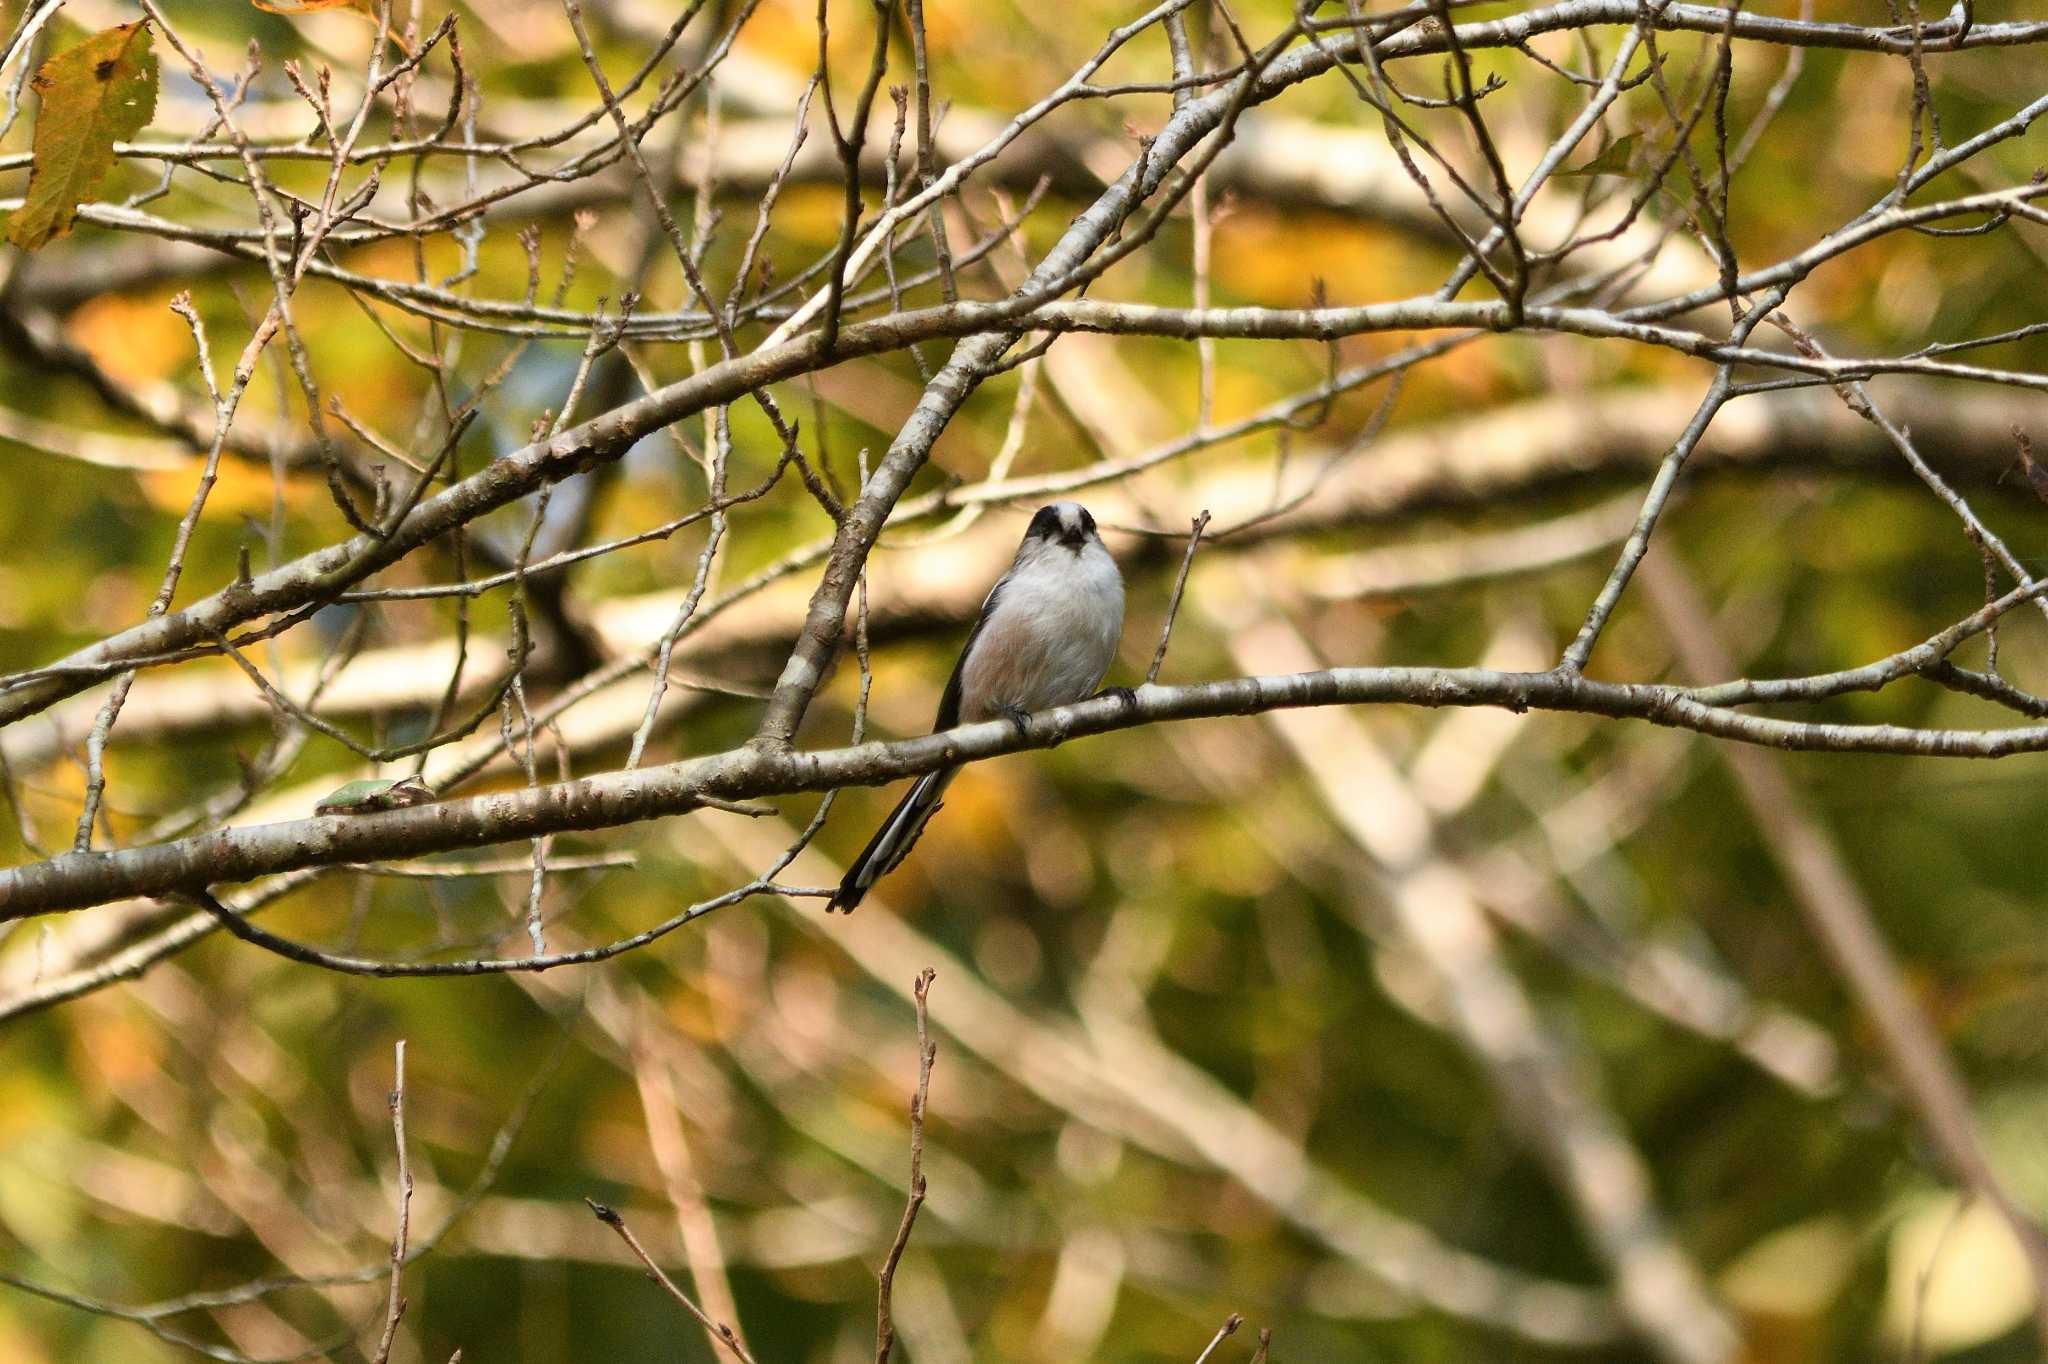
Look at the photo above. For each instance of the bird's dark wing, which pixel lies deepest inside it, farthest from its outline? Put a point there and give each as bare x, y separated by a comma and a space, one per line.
949, 704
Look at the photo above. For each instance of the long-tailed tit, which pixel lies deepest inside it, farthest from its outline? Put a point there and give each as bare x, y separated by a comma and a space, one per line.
1046, 636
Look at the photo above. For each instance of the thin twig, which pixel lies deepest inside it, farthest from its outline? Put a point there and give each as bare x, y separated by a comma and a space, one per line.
1223, 1333
1180, 582
395, 1307
927, 1052
720, 1331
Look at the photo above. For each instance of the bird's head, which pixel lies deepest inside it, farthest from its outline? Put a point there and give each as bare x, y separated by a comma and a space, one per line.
1066, 524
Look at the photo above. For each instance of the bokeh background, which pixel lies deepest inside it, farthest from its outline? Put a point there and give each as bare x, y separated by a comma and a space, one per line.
1199, 991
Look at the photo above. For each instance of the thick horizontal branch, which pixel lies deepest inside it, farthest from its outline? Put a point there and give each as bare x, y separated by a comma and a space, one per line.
1328, 324
77, 880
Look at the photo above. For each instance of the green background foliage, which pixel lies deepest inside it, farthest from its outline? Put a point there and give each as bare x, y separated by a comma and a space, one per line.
1181, 892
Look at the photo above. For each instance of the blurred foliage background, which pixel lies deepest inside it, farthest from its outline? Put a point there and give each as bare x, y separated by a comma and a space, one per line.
1192, 1060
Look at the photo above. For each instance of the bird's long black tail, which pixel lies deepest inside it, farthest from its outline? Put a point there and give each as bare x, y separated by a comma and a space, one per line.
893, 841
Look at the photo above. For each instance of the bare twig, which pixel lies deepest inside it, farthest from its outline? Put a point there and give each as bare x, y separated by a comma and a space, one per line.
1223, 1333
927, 1052
720, 1332
395, 1304
1180, 582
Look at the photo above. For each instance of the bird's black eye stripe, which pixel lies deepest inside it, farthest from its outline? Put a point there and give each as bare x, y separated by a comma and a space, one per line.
1044, 525
1087, 521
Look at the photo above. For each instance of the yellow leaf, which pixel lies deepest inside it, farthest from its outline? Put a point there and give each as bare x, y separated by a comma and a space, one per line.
368, 7
137, 340
240, 488
1956, 1277
1797, 1271
93, 95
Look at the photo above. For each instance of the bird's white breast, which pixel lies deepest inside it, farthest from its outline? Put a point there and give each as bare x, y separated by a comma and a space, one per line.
1051, 635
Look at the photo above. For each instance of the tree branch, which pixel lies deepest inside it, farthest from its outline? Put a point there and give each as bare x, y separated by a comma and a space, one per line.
76, 880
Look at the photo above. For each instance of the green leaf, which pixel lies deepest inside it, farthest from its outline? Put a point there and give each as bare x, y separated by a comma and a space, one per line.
1611, 161
93, 95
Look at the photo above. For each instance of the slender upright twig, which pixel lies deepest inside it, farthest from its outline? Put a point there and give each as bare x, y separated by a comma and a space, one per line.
1180, 583
395, 1303
927, 1052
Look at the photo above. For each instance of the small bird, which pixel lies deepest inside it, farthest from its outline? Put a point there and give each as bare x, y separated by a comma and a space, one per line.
1047, 634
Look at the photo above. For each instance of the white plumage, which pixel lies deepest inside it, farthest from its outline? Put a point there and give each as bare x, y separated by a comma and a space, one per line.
1047, 634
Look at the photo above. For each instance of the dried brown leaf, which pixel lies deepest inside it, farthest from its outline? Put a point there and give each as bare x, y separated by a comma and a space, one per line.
93, 95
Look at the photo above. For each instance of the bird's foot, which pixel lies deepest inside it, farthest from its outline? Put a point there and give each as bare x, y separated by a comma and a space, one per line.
1019, 717
1125, 695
